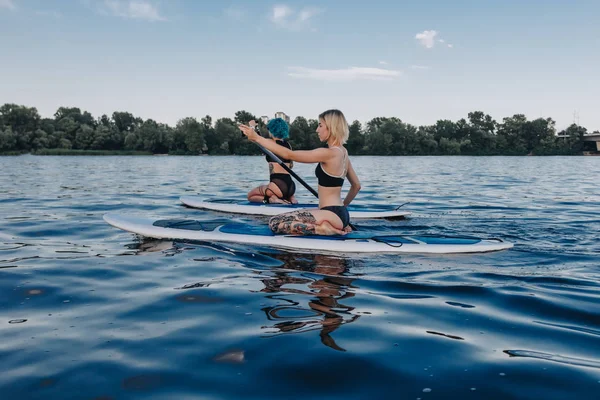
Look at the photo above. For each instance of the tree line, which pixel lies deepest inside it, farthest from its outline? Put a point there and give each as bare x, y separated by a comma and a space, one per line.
72, 131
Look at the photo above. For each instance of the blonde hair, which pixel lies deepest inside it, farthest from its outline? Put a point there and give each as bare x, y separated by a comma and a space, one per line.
336, 124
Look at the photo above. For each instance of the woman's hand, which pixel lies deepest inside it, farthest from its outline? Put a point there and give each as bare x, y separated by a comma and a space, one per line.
249, 132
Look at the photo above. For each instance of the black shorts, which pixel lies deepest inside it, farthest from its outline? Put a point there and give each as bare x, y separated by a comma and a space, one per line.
285, 183
340, 211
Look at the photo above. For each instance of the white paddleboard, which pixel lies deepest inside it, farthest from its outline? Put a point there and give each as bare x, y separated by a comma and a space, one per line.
246, 207
355, 242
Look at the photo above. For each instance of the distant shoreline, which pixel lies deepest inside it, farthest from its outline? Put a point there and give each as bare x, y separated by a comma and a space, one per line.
65, 152
75, 132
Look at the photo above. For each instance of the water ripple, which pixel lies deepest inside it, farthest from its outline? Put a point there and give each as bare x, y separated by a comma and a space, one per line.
553, 357
90, 311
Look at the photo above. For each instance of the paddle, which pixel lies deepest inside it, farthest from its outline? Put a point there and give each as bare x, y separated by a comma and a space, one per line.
403, 204
292, 173
288, 169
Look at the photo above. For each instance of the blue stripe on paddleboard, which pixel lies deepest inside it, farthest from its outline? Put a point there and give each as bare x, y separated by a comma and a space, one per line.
263, 230
353, 207
244, 229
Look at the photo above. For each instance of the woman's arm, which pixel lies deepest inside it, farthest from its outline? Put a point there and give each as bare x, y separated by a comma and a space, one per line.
354, 182
303, 156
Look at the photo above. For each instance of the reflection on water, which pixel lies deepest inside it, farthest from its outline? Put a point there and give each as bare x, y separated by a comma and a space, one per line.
149, 246
313, 300
308, 289
90, 311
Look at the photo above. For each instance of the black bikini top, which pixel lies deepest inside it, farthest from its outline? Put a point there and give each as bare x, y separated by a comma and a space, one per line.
328, 180
283, 143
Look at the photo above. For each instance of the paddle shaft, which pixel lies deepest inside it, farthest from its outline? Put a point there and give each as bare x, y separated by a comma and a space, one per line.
288, 169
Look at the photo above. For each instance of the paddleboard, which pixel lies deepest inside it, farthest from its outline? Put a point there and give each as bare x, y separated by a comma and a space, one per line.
363, 241
246, 207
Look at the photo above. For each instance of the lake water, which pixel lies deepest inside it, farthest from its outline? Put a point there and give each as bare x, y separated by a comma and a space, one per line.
91, 312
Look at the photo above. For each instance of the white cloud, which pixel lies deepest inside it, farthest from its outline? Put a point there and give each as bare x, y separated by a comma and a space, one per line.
419, 67
8, 4
134, 9
426, 38
347, 74
383, 62
280, 14
288, 18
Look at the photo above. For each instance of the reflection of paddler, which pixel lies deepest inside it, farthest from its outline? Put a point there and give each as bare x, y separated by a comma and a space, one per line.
148, 246
325, 294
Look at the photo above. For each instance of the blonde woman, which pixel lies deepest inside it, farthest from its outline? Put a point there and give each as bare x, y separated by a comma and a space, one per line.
333, 167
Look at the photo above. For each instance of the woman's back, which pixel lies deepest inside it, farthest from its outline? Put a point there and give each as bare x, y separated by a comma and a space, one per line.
330, 176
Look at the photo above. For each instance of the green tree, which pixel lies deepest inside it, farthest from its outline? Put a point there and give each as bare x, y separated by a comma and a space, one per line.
39, 140
538, 131
427, 143
132, 141
189, 136
58, 140
481, 134
69, 127
243, 117
8, 141
154, 137
449, 146
575, 133
512, 130
21, 119
102, 138
81, 118
47, 125
229, 134
104, 120
65, 144
214, 141
303, 134
444, 129
356, 139
482, 122
463, 130
84, 137
379, 143
126, 122
376, 123
237, 143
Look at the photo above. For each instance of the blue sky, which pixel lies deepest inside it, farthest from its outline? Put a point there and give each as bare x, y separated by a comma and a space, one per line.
420, 60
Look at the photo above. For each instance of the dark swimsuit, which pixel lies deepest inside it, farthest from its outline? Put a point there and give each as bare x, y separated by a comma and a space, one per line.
283, 181
327, 180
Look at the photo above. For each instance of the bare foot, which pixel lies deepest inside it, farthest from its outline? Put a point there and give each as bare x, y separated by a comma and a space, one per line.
348, 229
277, 200
327, 229
293, 200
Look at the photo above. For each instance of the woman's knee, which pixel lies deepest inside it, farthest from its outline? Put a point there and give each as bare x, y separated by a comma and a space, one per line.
274, 223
